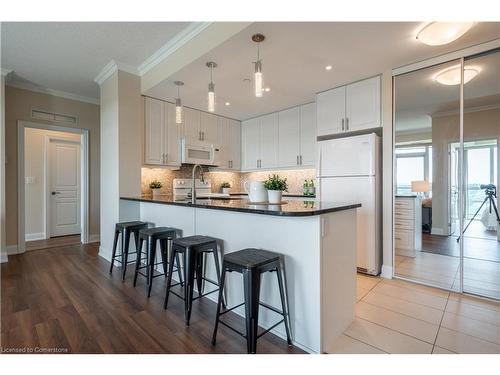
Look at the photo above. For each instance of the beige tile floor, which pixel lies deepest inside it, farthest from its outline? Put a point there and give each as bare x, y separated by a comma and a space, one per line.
394, 316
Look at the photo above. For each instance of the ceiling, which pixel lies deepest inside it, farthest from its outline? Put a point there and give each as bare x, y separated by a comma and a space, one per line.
294, 56
418, 96
67, 56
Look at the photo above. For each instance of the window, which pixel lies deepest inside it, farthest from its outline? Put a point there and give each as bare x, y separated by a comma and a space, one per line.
413, 163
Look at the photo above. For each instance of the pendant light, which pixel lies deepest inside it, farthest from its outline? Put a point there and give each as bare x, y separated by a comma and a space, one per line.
211, 87
258, 77
178, 104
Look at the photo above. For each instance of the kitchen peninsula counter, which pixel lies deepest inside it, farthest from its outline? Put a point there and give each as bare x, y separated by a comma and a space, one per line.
317, 240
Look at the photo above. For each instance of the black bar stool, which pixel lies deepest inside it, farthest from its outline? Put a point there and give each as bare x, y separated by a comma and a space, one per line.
193, 249
125, 229
252, 263
152, 236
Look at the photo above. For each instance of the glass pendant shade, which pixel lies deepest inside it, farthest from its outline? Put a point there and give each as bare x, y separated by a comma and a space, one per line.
211, 97
178, 111
258, 79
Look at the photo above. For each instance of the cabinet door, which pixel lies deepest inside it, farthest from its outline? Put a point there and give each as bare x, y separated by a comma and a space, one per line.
223, 140
191, 125
208, 127
330, 111
269, 141
363, 104
154, 139
173, 137
235, 144
250, 144
288, 137
308, 134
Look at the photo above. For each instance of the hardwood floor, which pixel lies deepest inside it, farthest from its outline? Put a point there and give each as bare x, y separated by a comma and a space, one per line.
53, 242
62, 299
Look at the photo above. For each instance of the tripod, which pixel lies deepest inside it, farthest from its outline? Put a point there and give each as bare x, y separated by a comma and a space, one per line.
490, 194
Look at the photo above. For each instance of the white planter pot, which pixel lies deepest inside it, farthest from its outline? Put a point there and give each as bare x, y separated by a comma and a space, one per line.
274, 196
226, 190
156, 192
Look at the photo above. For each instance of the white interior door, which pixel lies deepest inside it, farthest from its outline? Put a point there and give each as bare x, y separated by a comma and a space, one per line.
64, 188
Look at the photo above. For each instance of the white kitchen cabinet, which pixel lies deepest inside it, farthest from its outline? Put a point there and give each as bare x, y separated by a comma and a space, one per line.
229, 140
363, 104
208, 127
289, 137
330, 111
191, 123
349, 108
269, 141
308, 134
162, 134
250, 144
235, 144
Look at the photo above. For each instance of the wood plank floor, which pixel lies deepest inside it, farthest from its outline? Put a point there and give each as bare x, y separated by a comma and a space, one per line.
64, 298
53, 242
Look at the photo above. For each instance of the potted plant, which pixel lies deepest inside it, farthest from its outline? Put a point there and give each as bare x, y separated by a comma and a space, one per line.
275, 186
226, 186
155, 187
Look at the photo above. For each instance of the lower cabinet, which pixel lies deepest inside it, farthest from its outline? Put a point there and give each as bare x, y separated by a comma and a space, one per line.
407, 225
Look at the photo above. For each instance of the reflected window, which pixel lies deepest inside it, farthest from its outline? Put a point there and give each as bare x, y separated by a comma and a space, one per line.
413, 163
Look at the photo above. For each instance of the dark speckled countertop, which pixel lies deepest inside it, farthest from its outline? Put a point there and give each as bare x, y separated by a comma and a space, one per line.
290, 208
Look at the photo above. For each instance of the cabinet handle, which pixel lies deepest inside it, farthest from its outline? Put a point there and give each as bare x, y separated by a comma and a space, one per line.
202, 136
166, 158
257, 163
300, 159
347, 123
343, 124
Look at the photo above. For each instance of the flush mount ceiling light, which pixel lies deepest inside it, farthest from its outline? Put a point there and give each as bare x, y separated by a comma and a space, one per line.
439, 33
328, 67
227, 103
267, 89
451, 76
178, 104
258, 77
211, 87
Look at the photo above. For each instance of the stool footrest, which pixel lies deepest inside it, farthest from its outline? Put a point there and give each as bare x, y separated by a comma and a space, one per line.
231, 309
270, 328
232, 328
195, 298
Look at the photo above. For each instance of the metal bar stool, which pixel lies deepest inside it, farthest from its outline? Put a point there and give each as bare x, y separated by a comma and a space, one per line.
252, 263
193, 249
151, 236
125, 229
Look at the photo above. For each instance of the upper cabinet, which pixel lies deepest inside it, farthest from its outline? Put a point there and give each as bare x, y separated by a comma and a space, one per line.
162, 134
191, 119
208, 127
349, 108
284, 139
229, 140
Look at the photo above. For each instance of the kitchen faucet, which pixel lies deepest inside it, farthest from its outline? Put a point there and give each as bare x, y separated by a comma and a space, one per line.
193, 188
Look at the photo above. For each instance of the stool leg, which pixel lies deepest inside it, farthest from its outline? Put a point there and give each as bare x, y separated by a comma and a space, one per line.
251, 282
219, 305
173, 255
189, 271
164, 255
125, 247
151, 262
199, 270
217, 271
115, 243
179, 271
138, 260
284, 305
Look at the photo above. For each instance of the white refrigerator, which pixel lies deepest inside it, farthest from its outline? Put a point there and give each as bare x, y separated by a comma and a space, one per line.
349, 171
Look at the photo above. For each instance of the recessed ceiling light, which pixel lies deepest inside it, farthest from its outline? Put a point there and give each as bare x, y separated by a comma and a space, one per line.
451, 76
439, 33
227, 103
328, 67
267, 89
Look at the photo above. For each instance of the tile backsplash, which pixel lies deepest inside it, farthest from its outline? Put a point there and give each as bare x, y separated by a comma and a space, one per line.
295, 178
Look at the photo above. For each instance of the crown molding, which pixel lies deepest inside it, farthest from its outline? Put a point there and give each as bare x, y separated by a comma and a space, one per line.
466, 110
5, 72
61, 94
173, 45
111, 68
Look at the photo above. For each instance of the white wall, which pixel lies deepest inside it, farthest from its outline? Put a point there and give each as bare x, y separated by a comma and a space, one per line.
3, 249
34, 166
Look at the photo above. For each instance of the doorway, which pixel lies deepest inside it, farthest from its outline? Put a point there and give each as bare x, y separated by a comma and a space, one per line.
52, 185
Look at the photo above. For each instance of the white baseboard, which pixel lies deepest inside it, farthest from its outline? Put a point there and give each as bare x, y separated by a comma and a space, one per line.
438, 231
11, 249
94, 238
3, 257
34, 236
105, 253
386, 272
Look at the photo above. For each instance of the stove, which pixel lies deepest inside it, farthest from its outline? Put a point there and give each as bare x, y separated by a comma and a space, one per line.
182, 188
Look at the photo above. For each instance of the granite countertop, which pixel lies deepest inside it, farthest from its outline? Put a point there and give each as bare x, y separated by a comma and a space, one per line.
284, 195
290, 208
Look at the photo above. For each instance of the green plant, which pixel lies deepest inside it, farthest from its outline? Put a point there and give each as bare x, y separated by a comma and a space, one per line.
155, 184
275, 182
225, 185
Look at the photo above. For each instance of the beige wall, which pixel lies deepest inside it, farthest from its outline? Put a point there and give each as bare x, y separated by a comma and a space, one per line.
3, 251
18, 105
446, 129
34, 166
